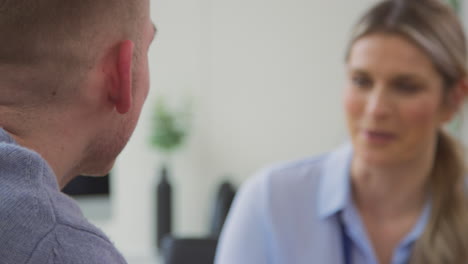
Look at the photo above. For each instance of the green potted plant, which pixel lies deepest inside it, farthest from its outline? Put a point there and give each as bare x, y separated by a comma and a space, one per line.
170, 129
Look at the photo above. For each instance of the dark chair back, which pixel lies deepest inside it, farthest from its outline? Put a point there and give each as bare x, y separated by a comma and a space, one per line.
224, 197
189, 251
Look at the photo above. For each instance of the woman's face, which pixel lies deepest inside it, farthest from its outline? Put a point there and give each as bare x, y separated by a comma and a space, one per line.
394, 100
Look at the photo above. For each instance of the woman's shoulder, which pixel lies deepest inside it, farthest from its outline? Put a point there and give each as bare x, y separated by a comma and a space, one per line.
295, 179
289, 176
307, 167
279, 176
304, 170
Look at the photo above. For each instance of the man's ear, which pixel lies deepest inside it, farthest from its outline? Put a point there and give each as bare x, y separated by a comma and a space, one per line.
121, 92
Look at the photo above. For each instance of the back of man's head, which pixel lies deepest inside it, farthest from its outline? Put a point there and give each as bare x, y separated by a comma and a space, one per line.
47, 46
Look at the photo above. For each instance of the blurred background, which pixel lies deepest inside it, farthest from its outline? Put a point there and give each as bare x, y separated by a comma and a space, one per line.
264, 78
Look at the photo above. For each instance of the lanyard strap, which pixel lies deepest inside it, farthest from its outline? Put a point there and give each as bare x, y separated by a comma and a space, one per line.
346, 244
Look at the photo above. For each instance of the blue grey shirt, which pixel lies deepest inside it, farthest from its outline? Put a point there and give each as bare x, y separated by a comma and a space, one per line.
292, 214
38, 223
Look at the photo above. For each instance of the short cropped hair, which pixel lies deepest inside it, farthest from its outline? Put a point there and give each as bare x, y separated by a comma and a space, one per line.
47, 45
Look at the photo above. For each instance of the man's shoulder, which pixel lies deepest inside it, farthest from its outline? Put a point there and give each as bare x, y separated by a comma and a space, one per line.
75, 245
55, 231
26, 214
24, 191
37, 221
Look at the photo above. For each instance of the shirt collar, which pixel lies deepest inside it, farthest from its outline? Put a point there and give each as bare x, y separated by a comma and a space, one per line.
420, 226
335, 191
334, 186
5, 137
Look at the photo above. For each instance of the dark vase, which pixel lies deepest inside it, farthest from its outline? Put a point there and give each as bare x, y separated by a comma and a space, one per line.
164, 206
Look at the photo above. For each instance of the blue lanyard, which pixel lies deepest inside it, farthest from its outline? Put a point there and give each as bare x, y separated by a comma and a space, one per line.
346, 244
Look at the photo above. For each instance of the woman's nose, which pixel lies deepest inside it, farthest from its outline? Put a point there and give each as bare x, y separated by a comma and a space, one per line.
378, 104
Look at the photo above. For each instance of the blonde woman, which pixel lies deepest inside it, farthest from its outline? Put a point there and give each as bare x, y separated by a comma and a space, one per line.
396, 193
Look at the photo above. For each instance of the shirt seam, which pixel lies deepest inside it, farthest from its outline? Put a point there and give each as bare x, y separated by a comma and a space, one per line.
40, 241
85, 231
53, 232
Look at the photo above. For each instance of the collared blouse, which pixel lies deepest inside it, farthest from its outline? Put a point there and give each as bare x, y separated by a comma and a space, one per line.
292, 214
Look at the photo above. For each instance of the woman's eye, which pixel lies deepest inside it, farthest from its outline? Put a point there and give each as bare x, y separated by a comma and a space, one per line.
407, 88
361, 82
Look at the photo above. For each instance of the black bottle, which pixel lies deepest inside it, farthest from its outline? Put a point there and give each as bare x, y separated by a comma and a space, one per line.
164, 206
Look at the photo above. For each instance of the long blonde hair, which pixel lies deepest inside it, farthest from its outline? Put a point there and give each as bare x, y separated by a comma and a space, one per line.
435, 28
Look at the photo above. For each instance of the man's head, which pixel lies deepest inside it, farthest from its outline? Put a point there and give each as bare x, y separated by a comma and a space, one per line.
57, 41
68, 65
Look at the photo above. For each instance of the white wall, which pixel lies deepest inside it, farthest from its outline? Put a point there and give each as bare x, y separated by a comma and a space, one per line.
266, 78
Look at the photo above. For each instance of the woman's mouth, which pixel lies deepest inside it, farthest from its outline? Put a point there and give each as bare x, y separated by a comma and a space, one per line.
379, 137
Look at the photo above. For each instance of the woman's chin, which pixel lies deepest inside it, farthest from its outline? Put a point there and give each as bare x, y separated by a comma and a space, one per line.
377, 157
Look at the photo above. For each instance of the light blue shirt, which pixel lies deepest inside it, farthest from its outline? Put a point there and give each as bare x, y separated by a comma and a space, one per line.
291, 215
